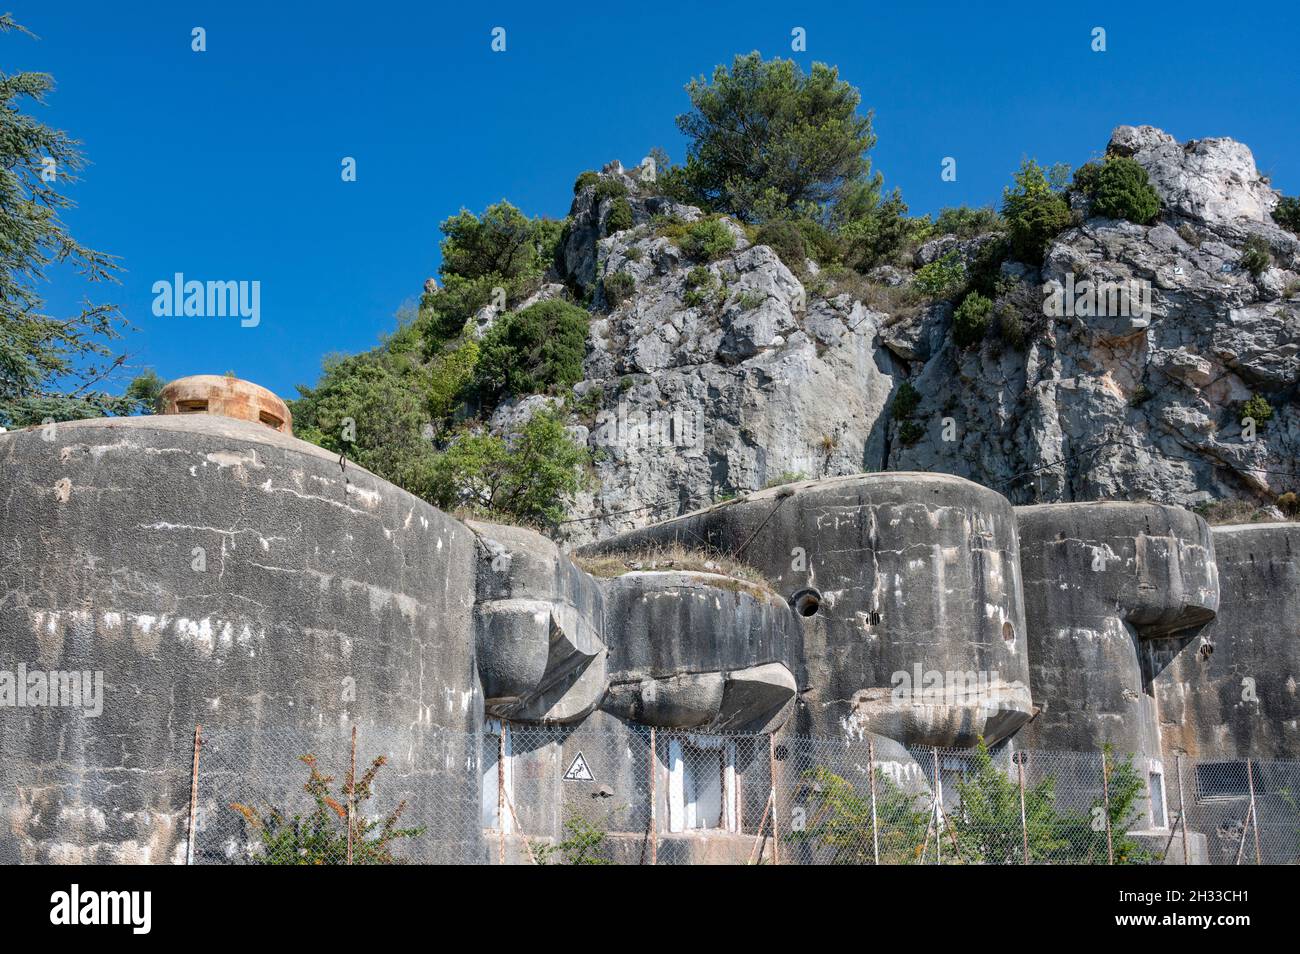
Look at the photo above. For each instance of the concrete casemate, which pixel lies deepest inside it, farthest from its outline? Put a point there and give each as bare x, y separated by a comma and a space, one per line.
217, 570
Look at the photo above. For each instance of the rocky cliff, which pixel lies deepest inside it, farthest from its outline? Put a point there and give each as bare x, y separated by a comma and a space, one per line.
708, 384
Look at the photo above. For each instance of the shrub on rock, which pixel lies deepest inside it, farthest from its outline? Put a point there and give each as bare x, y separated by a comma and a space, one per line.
1035, 211
786, 239
1287, 213
534, 349
618, 288
1256, 256
707, 239
1121, 190
970, 322
620, 216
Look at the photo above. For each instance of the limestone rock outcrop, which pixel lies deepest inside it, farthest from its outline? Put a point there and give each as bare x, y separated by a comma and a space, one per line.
765, 378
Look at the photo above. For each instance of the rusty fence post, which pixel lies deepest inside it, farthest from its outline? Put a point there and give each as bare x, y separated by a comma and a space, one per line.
755, 851
938, 799
1254, 809
194, 794
501, 793
1024, 828
352, 791
871, 774
1105, 794
1182, 812
654, 804
771, 762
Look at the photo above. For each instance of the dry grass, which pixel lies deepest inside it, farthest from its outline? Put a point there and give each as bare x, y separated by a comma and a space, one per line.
672, 557
1221, 512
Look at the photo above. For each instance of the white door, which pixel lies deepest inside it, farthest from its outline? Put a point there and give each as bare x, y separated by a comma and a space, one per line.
695, 785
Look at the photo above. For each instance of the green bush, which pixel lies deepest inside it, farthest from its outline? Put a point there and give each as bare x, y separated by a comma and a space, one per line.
994, 820
620, 216
1287, 214
584, 180
1120, 189
1258, 409
1011, 327
1289, 504
618, 288
502, 242
877, 237
528, 477
966, 222
997, 821
1256, 256
906, 400
1085, 179
582, 845
707, 240
443, 314
1035, 211
909, 432
785, 238
970, 322
840, 812
785, 477
532, 350
820, 243
610, 189
943, 277
449, 375
985, 272
702, 288
322, 836
375, 407
588, 405
1219, 513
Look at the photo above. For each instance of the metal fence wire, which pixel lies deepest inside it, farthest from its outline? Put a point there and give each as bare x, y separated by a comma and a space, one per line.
295, 797
630, 794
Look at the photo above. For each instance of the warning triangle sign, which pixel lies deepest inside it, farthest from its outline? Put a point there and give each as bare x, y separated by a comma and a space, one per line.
578, 771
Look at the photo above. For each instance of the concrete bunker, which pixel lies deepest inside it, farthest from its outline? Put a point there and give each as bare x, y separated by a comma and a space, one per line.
1102, 583
911, 570
898, 610
218, 572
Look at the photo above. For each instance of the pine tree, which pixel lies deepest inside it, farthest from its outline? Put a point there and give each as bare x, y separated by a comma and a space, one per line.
50, 366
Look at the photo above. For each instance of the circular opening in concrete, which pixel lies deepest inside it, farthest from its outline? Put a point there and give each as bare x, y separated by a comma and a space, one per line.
806, 602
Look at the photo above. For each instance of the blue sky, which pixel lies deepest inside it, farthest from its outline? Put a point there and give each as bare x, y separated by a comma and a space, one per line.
225, 165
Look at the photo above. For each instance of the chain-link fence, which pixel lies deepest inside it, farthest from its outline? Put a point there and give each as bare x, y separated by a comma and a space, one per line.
1248, 811
335, 797
629, 794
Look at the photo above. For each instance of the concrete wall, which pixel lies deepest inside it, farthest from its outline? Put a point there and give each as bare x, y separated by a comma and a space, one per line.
539, 623
617, 799
222, 573
1100, 580
917, 573
1234, 691
216, 571
699, 651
